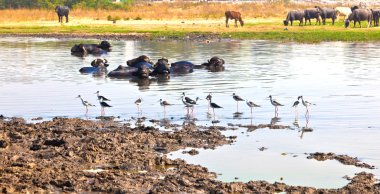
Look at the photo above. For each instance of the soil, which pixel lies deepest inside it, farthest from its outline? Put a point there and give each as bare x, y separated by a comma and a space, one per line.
81, 156
344, 159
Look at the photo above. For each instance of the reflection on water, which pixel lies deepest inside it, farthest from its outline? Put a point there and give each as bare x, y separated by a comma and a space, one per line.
39, 77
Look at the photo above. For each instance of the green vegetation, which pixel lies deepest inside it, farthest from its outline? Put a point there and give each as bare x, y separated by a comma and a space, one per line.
262, 31
48, 4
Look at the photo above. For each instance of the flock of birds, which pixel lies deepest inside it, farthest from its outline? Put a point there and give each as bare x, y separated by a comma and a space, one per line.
190, 103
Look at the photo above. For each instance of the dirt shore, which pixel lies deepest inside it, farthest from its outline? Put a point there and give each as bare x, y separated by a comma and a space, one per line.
74, 155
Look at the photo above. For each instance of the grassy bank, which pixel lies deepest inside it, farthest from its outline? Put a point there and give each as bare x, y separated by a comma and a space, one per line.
255, 29
180, 20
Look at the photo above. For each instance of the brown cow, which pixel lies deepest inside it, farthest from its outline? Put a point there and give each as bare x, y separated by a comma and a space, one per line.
234, 15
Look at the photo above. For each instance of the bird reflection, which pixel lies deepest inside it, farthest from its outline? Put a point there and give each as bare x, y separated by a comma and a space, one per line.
275, 120
306, 128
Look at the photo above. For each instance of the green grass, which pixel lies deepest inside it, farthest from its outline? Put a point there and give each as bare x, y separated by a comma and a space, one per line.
272, 30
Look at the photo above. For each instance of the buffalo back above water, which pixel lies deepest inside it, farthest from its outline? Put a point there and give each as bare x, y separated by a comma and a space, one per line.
294, 15
142, 58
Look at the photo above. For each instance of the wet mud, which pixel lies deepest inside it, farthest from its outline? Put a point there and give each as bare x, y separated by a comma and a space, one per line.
344, 159
81, 156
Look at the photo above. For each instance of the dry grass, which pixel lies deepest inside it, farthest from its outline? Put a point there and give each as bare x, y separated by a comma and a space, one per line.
159, 11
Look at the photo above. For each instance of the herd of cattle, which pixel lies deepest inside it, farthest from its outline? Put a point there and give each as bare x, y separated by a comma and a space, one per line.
355, 14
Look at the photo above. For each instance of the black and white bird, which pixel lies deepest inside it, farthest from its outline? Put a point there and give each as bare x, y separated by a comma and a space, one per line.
85, 103
102, 98
295, 105
252, 105
103, 105
214, 106
306, 104
189, 100
275, 104
138, 102
208, 98
164, 103
237, 99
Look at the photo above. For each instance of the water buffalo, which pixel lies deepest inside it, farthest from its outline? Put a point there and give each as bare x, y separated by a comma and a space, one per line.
142, 58
99, 62
99, 67
62, 11
342, 11
96, 49
162, 67
130, 72
327, 13
182, 67
234, 15
312, 13
215, 64
294, 15
375, 16
359, 15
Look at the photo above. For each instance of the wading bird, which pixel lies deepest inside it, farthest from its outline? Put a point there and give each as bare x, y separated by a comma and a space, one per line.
275, 104
138, 102
103, 105
164, 103
85, 103
214, 106
102, 98
237, 99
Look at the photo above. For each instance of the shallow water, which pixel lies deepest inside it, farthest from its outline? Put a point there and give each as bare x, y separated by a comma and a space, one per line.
39, 77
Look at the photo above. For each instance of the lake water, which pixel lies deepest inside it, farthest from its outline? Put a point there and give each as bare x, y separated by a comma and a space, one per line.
39, 77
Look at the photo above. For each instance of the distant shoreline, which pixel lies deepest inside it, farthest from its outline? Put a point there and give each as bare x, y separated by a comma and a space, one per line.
191, 30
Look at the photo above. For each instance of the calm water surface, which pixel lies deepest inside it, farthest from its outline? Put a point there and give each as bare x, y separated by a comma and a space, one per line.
39, 77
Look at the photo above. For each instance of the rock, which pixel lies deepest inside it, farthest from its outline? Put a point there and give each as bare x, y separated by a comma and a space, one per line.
3, 144
55, 142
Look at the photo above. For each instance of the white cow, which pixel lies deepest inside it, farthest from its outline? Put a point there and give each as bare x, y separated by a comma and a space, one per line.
342, 11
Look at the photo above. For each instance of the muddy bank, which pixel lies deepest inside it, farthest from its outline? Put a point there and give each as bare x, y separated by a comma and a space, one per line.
203, 37
75, 155
344, 159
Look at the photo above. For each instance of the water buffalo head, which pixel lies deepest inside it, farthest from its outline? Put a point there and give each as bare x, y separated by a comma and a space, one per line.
162, 66
346, 23
286, 23
216, 61
105, 45
99, 62
78, 48
143, 72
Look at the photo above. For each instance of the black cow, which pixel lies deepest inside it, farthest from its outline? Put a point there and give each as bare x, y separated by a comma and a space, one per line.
294, 15
62, 11
311, 14
375, 16
96, 49
327, 13
359, 15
